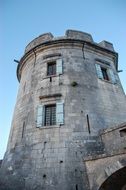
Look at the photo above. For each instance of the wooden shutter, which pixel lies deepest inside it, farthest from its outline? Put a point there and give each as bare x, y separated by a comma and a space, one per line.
40, 116
59, 66
116, 77
99, 71
112, 76
59, 113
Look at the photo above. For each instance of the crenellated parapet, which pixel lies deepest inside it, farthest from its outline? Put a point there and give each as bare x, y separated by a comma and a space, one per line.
72, 37
69, 34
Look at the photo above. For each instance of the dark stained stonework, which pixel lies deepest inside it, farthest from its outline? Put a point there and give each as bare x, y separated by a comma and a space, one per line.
88, 150
0, 162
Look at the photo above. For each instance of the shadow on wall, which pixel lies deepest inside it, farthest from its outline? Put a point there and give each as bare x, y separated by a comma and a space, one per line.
117, 181
0, 162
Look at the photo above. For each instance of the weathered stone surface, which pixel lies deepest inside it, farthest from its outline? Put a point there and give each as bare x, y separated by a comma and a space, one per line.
41, 39
55, 157
107, 45
79, 35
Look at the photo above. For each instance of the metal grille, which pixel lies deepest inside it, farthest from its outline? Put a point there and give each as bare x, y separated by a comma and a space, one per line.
51, 69
50, 115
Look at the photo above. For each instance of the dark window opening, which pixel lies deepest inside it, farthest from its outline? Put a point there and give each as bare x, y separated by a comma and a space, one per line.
51, 68
122, 132
105, 74
50, 115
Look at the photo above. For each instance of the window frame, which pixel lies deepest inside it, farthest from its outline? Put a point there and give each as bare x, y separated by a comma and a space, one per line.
123, 132
53, 64
58, 67
59, 114
50, 106
110, 74
105, 74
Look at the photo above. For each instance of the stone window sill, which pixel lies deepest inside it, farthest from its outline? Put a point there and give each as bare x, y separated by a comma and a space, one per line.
51, 126
108, 81
51, 76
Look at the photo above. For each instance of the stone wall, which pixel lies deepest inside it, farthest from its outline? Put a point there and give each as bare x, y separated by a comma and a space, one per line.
111, 165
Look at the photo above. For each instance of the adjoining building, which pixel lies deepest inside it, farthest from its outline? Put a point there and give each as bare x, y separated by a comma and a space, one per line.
69, 125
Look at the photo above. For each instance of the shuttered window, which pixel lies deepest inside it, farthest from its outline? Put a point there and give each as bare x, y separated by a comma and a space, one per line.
106, 73
49, 115
55, 67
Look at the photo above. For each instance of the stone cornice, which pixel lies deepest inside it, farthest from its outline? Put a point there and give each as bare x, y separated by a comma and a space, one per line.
61, 42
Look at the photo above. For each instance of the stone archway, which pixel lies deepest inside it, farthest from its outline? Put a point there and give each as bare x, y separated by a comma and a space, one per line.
124, 187
117, 181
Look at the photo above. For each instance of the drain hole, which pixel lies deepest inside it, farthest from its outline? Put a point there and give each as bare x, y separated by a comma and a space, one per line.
44, 176
61, 161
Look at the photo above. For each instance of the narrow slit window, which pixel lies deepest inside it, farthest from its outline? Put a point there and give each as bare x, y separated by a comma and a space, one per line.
76, 186
51, 68
50, 115
24, 87
88, 124
23, 129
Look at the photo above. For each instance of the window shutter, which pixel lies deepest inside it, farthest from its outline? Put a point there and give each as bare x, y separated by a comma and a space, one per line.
116, 77
40, 116
99, 71
112, 76
59, 66
59, 113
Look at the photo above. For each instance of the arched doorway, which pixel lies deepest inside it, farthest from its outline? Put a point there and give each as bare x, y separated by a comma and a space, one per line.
117, 181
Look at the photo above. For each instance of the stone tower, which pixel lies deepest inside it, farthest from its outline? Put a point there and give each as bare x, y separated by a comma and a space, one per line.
68, 130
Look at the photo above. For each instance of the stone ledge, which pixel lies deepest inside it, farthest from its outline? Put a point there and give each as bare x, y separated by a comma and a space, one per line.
101, 156
50, 96
121, 126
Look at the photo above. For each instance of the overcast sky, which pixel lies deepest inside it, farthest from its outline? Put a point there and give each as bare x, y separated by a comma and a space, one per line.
23, 20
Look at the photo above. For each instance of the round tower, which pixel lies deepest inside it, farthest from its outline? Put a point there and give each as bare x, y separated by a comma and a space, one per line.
69, 92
